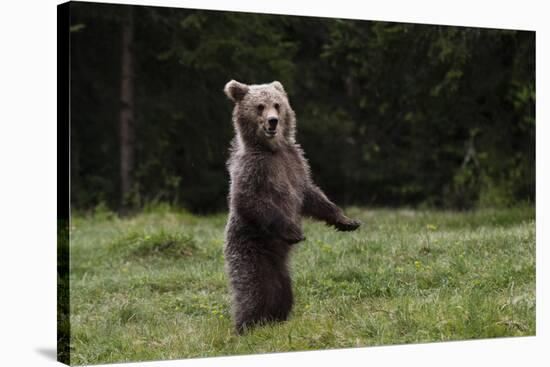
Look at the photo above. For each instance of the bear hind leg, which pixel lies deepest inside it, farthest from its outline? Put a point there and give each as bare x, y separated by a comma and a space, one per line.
265, 301
284, 299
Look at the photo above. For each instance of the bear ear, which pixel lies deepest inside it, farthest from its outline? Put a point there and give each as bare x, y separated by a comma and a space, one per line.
235, 90
278, 86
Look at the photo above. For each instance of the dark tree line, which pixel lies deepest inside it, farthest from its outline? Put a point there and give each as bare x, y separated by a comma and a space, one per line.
388, 113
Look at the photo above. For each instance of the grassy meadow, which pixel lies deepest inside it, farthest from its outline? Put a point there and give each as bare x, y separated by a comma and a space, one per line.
152, 286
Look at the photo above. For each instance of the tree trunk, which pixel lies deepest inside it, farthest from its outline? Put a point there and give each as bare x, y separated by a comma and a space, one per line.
127, 108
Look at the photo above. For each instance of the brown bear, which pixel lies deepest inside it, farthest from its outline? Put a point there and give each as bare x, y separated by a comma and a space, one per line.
270, 189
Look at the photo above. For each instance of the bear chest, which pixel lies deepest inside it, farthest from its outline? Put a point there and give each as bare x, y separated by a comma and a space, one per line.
285, 179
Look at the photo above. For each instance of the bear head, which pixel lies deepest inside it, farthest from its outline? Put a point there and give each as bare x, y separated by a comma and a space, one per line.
262, 115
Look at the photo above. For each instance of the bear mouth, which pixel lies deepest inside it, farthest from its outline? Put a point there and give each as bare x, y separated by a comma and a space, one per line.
270, 133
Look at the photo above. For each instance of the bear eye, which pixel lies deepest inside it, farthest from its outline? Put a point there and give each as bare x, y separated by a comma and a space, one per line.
260, 107
276, 105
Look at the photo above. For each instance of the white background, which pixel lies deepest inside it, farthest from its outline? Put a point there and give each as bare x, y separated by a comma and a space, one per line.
28, 181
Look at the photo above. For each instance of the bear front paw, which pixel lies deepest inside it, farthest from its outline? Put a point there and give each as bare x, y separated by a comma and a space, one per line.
348, 225
295, 235
292, 241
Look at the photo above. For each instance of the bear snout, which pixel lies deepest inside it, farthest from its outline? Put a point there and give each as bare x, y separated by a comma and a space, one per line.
272, 121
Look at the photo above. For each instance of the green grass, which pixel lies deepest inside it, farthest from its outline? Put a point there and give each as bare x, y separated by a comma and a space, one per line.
153, 286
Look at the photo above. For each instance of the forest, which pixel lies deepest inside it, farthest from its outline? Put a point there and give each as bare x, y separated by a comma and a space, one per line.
425, 133
389, 114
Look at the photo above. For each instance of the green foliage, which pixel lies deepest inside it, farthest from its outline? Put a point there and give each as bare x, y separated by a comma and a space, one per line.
63, 292
388, 113
406, 276
160, 243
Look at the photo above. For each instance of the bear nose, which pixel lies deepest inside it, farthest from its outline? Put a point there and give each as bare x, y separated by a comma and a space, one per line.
272, 123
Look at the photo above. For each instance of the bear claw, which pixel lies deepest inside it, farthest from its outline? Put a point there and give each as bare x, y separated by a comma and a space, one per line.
348, 225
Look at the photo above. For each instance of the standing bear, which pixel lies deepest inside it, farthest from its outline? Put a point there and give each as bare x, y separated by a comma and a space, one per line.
271, 189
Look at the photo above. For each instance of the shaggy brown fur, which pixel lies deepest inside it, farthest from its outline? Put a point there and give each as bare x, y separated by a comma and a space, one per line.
271, 188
